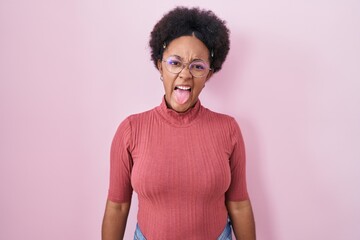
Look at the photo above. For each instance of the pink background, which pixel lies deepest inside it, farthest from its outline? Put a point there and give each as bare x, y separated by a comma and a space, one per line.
71, 71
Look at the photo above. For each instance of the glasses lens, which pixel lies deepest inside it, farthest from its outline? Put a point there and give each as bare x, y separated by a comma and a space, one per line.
198, 68
174, 64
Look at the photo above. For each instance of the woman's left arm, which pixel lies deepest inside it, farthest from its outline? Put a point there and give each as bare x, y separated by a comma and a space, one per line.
242, 219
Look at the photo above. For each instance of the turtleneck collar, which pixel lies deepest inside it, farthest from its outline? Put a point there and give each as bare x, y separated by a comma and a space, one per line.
183, 119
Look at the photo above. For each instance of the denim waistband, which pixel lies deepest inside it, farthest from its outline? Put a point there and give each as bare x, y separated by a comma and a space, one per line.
225, 235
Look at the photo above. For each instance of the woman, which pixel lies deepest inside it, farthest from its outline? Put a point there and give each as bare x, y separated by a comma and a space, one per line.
186, 163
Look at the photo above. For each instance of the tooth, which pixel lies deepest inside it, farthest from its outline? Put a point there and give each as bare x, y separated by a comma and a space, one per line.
184, 88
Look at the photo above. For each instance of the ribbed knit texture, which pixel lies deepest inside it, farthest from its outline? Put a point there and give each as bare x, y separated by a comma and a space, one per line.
183, 166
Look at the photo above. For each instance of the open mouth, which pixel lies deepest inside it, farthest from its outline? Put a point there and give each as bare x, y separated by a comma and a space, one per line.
182, 94
183, 88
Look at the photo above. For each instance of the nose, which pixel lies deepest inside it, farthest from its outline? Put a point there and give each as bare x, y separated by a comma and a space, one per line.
185, 72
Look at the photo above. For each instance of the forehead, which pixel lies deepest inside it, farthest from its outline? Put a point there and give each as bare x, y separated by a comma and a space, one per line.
187, 48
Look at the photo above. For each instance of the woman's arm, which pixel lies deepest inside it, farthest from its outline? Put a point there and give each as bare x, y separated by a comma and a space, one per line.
114, 222
242, 219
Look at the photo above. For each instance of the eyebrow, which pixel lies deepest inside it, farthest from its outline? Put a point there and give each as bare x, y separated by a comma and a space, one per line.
195, 59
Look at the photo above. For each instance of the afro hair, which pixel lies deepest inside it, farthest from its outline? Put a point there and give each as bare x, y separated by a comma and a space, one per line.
182, 21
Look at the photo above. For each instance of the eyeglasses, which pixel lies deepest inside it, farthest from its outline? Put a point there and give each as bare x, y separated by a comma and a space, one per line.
197, 68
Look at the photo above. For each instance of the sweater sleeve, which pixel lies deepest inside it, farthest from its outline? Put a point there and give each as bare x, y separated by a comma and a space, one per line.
238, 189
120, 189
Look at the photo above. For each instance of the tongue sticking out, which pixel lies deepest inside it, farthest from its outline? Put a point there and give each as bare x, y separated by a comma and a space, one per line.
181, 96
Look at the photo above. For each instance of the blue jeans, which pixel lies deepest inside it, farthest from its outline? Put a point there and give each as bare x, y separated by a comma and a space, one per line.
225, 235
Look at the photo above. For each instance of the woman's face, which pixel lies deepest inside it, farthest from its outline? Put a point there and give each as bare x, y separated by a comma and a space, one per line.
182, 89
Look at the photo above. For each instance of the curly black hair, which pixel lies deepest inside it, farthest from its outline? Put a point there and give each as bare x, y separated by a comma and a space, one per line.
182, 21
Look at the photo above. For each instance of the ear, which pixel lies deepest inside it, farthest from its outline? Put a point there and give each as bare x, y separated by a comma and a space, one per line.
159, 66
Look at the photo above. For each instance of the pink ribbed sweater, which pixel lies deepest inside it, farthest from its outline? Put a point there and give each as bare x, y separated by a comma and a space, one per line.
183, 166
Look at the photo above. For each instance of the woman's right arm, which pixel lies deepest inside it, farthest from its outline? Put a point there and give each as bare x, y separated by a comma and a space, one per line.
114, 222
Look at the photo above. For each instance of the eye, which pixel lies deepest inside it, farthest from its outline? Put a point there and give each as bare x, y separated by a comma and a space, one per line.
198, 66
174, 62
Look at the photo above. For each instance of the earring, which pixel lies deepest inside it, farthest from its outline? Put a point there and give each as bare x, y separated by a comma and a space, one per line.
161, 78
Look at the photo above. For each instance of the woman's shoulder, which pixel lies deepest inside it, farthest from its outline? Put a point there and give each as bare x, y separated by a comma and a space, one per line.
134, 120
140, 117
222, 121
217, 116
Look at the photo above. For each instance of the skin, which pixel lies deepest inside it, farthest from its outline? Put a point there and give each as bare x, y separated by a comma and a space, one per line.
114, 221
242, 219
188, 48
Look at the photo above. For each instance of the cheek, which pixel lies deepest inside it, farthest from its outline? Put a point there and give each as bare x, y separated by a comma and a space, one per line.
199, 90
168, 82
199, 86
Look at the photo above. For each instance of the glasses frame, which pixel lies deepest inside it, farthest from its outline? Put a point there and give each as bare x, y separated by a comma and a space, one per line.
187, 64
